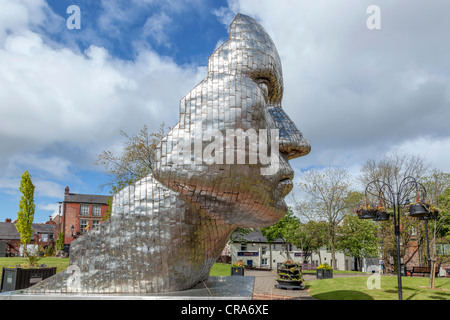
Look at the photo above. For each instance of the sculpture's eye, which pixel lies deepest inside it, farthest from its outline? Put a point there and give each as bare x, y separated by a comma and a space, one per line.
264, 86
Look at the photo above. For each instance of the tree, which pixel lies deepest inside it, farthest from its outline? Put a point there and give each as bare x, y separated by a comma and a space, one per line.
283, 230
444, 206
136, 160
438, 192
442, 232
134, 163
327, 196
358, 237
25, 215
393, 168
316, 236
60, 241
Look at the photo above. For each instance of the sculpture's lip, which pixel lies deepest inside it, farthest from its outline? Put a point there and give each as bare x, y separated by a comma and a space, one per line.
285, 186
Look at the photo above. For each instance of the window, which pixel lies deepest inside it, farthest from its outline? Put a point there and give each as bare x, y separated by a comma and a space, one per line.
84, 210
96, 211
263, 250
243, 247
264, 261
95, 223
83, 224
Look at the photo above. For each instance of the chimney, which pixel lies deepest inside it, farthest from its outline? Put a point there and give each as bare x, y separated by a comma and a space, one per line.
8, 220
67, 191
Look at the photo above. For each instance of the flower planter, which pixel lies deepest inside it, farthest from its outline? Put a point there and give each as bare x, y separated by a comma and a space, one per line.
381, 216
20, 278
418, 210
290, 277
237, 271
367, 214
290, 284
431, 216
324, 274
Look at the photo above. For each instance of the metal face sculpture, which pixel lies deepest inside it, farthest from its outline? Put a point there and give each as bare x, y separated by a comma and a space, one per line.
168, 229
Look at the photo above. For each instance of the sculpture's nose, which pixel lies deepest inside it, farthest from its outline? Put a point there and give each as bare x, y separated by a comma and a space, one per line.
292, 142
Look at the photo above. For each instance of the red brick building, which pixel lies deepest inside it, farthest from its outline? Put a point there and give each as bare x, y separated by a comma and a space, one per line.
80, 212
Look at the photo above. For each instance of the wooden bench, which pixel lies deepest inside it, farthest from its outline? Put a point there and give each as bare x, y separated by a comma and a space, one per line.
424, 270
308, 266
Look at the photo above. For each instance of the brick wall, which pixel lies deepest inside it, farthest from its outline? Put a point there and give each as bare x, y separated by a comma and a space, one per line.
72, 217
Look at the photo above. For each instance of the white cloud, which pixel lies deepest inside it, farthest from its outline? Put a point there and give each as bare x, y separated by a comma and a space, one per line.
435, 151
156, 26
49, 166
225, 15
357, 93
75, 104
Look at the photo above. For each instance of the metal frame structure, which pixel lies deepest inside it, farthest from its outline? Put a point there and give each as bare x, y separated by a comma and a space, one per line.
396, 199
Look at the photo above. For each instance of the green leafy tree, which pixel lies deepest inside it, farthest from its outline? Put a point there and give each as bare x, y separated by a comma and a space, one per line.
60, 241
317, 233
282, 230
438, 192
442, 255
26, 211
358, 238
444, 206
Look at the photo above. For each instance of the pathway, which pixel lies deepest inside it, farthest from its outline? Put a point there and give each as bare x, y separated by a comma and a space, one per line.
264, 288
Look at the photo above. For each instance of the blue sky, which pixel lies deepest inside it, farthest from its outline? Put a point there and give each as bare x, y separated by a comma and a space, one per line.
186, 31
355, 93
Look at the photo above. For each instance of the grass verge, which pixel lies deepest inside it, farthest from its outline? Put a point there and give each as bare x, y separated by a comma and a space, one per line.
356, 288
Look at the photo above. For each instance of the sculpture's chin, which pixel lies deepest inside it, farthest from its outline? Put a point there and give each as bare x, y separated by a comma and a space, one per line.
248, 214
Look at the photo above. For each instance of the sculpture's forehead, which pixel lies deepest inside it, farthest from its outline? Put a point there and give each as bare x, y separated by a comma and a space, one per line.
249, 50
249, 33
250, 39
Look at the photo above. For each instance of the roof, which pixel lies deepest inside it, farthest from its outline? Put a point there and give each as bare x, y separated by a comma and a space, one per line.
253, 237
8, 230
85, 198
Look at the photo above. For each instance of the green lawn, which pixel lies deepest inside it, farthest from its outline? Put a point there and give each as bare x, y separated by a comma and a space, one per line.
348, 288
220, 269
355, 288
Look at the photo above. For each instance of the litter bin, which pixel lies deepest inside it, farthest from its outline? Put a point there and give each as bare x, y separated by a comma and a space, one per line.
403, 270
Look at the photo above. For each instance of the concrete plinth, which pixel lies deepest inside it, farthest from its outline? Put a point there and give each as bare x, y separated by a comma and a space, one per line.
215, 288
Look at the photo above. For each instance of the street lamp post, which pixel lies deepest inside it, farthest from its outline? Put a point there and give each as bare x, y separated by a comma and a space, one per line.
395, 199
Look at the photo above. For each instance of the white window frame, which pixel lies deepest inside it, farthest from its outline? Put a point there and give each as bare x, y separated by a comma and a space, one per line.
83, 224
83, 212
96, 210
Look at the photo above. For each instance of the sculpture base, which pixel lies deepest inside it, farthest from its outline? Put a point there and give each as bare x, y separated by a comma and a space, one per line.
215, 288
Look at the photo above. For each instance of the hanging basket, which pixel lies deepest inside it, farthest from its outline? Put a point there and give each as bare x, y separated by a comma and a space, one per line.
366, 214
418, 210
382, 216
431, 216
